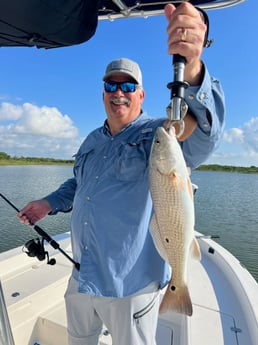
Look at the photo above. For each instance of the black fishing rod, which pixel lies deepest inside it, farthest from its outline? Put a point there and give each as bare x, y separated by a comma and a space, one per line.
36, 248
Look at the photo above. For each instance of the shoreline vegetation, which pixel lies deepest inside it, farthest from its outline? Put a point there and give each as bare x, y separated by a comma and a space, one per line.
5, 160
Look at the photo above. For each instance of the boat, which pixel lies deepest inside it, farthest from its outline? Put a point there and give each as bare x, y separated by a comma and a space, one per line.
32, 310
51, 24
223, 292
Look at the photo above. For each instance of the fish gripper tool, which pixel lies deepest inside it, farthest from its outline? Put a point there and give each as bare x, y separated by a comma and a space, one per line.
177, 108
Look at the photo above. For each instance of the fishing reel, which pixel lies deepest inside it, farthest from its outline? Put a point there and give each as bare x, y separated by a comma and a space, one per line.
35, 248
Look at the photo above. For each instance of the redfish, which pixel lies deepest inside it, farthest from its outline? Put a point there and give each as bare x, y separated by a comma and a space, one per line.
172, 224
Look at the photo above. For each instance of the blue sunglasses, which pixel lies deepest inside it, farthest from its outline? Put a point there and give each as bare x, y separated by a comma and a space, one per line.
126, 86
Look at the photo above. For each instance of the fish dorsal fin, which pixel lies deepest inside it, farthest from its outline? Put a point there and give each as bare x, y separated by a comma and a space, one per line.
195, 249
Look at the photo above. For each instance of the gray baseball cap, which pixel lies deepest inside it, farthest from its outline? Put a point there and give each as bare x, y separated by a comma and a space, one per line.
124, 66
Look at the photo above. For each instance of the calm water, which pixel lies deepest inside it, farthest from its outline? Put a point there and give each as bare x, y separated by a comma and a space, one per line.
226, 205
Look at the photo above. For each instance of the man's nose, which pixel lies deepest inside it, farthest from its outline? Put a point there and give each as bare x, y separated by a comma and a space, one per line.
119, 90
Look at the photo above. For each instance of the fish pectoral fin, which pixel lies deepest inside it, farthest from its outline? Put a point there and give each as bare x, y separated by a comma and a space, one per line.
156, 236
178, 181
195, 249
177, 300
190, 188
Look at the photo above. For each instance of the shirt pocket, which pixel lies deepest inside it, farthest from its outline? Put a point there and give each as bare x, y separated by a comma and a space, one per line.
133, 157
80, 163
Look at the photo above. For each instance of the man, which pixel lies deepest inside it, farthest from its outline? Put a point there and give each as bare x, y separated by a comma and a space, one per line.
120, 270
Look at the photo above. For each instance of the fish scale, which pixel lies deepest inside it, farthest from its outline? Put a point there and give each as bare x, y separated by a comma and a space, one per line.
170, 218
172, 224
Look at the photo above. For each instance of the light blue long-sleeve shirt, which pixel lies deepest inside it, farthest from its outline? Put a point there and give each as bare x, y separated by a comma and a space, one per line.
111, 200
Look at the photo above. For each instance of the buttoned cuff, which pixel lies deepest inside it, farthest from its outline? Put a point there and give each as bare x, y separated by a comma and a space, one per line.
54, 203
201, 103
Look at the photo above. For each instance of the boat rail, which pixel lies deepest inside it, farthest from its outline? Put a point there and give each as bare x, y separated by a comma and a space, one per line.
117, 9
6, 337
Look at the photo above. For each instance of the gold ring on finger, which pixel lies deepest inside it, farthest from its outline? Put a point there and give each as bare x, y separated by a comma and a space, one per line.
183, 34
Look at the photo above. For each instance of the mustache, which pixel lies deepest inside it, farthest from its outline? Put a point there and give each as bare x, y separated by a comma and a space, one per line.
120, 100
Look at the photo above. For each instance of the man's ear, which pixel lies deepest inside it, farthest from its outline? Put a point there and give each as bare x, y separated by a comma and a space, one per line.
142, 95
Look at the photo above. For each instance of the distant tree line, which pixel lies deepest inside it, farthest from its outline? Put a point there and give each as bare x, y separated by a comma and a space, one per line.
5, 159
228, 168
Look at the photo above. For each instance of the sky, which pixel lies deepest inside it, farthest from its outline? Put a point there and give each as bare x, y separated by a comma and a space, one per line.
50, 100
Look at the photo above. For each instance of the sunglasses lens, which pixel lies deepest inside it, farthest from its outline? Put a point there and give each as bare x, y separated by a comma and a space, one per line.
125, 87
110, 87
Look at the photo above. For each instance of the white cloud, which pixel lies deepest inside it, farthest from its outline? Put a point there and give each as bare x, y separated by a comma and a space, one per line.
10, 111
250, 129
239, 146
234, 135
29, 130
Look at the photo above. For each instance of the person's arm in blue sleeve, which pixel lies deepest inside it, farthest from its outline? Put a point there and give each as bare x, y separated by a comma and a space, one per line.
62, 199
207, 104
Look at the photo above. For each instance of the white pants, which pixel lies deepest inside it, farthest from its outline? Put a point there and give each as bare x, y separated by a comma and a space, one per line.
131, 320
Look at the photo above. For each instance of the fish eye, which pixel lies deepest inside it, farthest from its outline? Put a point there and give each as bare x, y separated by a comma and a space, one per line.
157, 141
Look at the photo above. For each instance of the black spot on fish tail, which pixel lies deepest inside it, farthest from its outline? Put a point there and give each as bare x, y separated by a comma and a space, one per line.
176, 299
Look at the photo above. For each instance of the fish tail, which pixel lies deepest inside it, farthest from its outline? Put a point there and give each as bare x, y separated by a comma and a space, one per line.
177, 300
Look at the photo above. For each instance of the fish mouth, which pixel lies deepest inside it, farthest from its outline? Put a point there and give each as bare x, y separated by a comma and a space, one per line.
168, 131
161, 135
120, 101
161, 131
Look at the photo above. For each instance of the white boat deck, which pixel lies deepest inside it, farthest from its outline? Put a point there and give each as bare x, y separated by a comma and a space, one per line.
224, 295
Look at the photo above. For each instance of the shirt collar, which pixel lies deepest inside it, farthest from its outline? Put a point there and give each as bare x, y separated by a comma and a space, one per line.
106, 129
